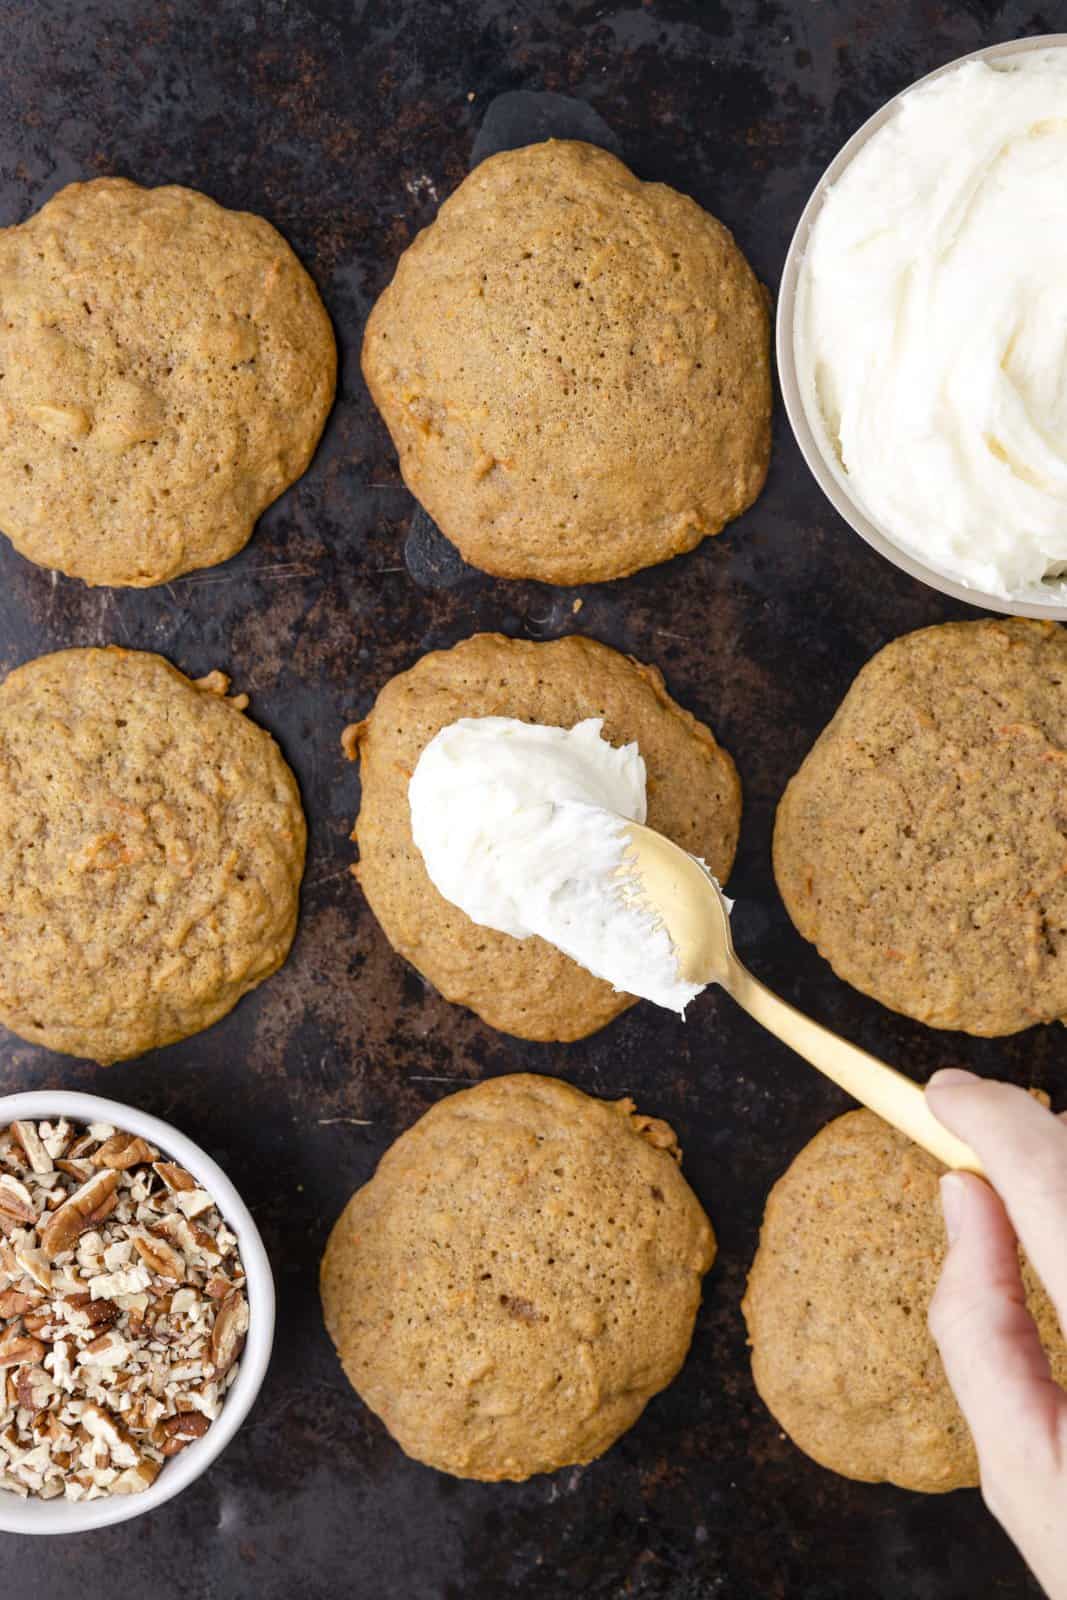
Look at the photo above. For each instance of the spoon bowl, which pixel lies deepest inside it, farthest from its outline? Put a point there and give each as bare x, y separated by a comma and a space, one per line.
687, 898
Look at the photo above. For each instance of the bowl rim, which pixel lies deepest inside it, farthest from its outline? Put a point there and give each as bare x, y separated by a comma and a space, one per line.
826, 472
59, 1516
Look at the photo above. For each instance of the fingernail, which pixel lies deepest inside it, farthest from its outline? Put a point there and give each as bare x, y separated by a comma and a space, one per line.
950, 1075
952, 1204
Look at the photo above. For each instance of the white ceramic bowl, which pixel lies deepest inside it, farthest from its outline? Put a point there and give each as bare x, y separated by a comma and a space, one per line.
62, 1516
824, 465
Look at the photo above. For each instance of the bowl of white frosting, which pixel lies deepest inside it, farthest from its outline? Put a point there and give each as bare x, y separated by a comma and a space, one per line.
922, 329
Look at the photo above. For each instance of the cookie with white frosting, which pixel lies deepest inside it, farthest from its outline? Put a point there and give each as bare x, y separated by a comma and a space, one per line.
525, 986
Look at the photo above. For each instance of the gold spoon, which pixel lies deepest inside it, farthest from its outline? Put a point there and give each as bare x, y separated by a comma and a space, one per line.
690, 904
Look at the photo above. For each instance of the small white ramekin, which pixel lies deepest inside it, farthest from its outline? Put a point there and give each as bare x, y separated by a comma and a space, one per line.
824, 465
62, 1516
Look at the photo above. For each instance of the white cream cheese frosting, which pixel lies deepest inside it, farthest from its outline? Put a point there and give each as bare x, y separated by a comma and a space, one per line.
931, 325
523, 827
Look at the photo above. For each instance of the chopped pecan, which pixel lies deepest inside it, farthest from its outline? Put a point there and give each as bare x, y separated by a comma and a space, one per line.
124, 1150
86, 1206
56, 1137
34, 1266
131, 1480
138, 1322
182, 1429
174, 1176
228, 1334
98, 1314
25, 1134
16, 1203
17, 1349
104, 1209
106, 1430
80, 1169
144, 1413
34, 1388
159, 1257
190, 1237
57, 1432
13, 1302
110, 1349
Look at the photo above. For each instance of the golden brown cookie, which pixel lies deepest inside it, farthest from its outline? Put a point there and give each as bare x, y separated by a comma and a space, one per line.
151, 850
837, 1302
166, 368
518, 1279
921, 844
574, 367
525, 986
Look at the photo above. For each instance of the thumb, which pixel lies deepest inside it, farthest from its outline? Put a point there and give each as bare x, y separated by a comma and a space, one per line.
988, 1340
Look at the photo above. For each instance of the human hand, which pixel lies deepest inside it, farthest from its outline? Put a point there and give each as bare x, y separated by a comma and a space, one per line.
988, 1341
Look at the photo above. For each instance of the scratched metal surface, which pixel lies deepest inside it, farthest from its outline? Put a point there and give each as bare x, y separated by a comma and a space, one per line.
345, 123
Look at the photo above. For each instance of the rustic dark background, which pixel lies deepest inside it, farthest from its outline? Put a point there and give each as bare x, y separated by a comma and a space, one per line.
345, 124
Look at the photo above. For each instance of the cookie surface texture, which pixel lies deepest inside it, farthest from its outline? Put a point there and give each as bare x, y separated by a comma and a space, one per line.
574, 367
151, 850
837, 1302
920, 846
167, 370
525, 987
518, 1279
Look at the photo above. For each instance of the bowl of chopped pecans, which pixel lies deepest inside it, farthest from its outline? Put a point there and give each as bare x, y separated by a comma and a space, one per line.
136, 1312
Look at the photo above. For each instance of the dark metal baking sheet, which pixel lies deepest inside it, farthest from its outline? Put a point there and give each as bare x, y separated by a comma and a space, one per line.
345, 124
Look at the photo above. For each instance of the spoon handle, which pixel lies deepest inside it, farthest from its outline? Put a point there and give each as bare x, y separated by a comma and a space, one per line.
896, 1098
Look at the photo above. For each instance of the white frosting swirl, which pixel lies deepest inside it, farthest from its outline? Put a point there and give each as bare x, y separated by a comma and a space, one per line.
521, 826
931, 332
